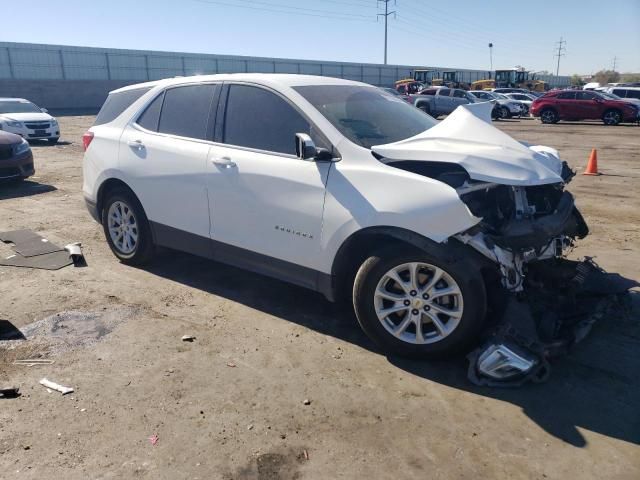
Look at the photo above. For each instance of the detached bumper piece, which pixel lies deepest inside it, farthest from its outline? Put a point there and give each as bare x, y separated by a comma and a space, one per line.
561, 302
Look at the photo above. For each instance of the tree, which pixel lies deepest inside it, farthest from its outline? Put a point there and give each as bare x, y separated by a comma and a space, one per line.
606, 76
630, 77
576, 80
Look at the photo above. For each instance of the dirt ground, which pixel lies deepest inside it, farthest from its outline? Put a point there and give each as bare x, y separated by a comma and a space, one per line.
231, 404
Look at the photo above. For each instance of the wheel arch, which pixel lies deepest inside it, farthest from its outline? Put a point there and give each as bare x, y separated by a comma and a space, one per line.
362, 244
109, 185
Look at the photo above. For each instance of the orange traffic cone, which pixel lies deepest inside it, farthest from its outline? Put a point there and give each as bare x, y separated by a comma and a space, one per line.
592, 166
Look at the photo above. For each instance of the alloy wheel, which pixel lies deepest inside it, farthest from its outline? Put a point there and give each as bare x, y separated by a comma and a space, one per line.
123, 227
611, 118
418, 303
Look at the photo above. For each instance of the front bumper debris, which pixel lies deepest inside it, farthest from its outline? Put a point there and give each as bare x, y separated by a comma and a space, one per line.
561, 302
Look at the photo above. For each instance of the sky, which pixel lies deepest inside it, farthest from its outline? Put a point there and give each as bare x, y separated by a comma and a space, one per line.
421, 32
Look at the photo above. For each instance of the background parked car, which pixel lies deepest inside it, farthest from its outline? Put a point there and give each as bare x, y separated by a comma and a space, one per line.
583, 105
625, 92
505, 108
26, 119
440, 100
524, 98
16, 159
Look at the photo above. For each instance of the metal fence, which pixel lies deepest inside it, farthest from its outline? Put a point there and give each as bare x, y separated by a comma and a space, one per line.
55, 62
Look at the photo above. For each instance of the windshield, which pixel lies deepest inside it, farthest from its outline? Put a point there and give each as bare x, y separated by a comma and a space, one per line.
610, 96
18, 107
500, 95
366, 115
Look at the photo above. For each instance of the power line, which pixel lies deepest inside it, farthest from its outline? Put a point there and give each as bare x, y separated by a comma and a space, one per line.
561, 53
281, 8
386, 19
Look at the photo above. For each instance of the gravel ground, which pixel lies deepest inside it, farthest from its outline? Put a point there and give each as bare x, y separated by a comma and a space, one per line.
278, 383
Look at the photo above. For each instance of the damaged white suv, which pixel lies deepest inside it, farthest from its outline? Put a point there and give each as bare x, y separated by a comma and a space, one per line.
342, 188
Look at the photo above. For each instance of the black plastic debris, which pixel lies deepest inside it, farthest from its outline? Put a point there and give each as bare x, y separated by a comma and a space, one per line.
34, 251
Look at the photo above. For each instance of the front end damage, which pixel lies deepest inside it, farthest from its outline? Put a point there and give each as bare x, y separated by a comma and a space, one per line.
545, 302
541, 302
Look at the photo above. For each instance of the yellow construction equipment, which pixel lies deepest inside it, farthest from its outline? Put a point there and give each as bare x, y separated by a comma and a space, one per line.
511, 78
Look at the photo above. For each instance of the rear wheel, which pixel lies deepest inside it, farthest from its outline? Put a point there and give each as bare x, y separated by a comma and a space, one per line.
126, 228
417, 305
549, 116
612, 117
503, 113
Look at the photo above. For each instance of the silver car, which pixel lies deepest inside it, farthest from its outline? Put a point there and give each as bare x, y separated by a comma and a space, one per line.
507, 107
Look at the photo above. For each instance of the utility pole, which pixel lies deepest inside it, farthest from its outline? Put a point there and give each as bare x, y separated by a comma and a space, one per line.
561, 50
386, 18
615, 61
491, 56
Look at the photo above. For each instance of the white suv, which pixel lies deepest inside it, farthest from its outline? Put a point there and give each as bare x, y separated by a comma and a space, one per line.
336, 186
26, 119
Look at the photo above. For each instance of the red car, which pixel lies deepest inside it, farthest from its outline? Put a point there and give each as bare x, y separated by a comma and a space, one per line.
583, 105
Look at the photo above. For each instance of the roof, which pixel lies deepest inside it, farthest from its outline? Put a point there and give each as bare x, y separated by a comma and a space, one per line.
12, 99
273, 79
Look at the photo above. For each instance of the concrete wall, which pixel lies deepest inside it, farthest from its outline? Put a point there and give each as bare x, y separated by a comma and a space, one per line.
62, 96
75, 78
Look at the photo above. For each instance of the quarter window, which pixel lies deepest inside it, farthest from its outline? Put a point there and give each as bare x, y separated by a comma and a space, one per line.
151, 115
257, 118
586, 96
566, 96
117, 103
185, 111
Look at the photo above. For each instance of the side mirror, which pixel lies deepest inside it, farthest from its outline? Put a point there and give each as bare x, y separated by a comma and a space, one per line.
44, 110
305, 148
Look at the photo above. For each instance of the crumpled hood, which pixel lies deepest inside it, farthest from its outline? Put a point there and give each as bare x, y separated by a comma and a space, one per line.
26, 117
467, 138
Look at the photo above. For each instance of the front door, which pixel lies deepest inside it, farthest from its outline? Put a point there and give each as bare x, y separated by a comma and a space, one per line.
266, 204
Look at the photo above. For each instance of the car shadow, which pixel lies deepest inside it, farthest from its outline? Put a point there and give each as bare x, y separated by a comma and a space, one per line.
44, 143
595, 388
25, 188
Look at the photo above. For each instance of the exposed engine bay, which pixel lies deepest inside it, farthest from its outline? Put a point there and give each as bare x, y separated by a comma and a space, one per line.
547, 303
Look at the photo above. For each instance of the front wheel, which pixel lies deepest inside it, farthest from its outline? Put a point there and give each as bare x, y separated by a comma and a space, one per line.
549, 116
126, 228
611, 117
504, 113
419, 305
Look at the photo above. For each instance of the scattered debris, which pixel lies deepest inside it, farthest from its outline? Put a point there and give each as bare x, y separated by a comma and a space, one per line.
250, 427
54, 386
307, 401
9, 392
306, 454
31, 362
153, 439
231, 364
188, 338
75, 252
34, 251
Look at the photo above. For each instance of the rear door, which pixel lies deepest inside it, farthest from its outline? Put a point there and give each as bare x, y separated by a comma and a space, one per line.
266, 204
566, 105
163, 154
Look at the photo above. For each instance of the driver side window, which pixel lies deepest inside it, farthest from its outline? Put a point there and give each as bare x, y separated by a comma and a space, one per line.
260, 119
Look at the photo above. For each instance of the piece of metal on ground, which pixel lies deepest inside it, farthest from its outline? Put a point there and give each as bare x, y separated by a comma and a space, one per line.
31, 362
49, 261
9, 392
28, 243
55, 386
75, 252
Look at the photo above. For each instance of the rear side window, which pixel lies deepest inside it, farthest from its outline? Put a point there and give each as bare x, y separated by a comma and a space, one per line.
444, 92
619, 92
257, 118
117, 103
633, 94
566, 96
459, 93
151, 115
185, 111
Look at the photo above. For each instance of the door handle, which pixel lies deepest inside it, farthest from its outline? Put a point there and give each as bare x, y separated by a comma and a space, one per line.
225, 162
136, 144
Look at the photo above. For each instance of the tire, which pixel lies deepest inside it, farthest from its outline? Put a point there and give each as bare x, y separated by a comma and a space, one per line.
53, 141
612, 117
425, 108
452, 334
549, 115
139, 248
504, 113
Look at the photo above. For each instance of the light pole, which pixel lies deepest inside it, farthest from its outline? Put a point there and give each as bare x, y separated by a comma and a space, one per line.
491, 56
